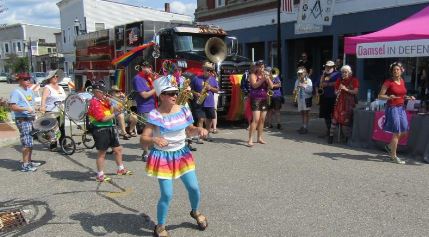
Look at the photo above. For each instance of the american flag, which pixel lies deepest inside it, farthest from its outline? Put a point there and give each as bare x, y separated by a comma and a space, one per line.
287, 6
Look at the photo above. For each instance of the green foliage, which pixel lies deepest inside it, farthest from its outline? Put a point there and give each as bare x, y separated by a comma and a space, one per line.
17, 64
3, 114
4, 110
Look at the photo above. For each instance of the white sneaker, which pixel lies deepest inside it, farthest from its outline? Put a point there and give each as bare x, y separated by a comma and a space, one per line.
35, 164
398, 161
28, 168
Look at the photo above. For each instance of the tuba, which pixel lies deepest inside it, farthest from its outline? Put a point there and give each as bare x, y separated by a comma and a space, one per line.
184, 94
204, 93
215, 49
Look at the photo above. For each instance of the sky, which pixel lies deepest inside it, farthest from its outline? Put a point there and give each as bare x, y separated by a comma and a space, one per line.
46, 13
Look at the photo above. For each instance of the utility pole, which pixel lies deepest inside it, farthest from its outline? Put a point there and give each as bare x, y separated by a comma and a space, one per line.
279, 39
30, 55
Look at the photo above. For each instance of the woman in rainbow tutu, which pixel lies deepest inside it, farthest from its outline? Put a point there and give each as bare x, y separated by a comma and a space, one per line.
170, 158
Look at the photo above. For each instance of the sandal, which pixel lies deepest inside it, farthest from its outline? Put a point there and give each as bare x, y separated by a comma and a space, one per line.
201, 220
133, 134
160, 231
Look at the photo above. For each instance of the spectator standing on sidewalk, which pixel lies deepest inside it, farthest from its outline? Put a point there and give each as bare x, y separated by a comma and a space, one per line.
22, 104
304, 96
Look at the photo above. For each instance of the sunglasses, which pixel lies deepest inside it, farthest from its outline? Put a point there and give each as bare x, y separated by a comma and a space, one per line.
171, 93
26, 79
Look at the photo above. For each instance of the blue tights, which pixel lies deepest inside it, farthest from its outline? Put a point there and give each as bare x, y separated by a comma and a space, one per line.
166, 186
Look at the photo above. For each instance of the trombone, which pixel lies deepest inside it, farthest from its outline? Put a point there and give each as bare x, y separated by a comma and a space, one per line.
123, 105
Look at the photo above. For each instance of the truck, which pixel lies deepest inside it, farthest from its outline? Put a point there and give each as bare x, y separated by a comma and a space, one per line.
187, 45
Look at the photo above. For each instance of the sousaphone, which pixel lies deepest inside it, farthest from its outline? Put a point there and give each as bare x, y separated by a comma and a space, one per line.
215, 49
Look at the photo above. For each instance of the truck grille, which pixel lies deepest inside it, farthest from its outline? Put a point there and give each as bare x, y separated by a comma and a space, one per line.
226, 71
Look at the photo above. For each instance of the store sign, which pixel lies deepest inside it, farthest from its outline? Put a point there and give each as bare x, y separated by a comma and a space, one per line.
394, 49
307, 28
316, 12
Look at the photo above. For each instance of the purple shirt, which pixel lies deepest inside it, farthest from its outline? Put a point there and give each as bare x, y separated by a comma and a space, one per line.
197, 85
143, 105
277, 92
259, 93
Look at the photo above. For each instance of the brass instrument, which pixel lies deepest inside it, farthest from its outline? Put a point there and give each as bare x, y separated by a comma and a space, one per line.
215, 49
125, 106
270, 92
295, 95
184, 93
320, 90
203, 94
275, 72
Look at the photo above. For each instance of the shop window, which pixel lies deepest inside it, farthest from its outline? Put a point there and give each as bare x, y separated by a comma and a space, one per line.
273, 58
220, 3
18, 47
49, 50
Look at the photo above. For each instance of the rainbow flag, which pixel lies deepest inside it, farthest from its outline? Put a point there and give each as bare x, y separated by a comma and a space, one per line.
120, 79
236, 107
126, 58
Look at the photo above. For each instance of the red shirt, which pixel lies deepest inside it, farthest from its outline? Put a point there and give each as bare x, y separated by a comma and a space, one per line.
354, 83
397, 90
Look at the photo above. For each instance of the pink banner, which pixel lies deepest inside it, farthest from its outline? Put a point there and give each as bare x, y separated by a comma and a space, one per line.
378, 134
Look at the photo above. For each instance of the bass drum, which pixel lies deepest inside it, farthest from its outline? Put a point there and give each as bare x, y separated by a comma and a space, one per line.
76, 105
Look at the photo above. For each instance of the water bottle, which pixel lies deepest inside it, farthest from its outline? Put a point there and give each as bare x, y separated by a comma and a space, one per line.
368, 99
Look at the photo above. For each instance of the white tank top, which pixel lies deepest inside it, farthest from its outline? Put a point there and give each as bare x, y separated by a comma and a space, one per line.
54, 96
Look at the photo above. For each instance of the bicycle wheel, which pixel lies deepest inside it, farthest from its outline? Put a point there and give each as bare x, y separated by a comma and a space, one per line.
88, 141
68, 146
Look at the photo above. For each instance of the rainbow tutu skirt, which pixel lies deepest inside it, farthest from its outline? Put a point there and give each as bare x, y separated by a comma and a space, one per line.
169, 164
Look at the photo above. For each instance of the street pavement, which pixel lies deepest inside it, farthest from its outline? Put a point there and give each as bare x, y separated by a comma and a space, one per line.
296, 185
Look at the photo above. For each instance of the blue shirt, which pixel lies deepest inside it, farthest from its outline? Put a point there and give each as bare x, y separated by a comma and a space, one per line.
197, 85
18, 99
143, 105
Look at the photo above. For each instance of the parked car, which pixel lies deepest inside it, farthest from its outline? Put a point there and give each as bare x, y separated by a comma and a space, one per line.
38, 77
3, 77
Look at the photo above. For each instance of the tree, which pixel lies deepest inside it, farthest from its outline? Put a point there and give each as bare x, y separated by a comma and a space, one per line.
17, 64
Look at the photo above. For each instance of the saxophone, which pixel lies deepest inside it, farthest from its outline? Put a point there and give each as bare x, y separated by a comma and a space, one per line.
320, 90
203, 94
184, 94
295, 95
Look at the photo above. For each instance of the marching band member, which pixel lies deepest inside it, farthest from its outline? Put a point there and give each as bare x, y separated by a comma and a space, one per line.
169, 157
22, 104
101, 117
304, 96
260, 84
346, 89
276, 102
205, 112
326, 93
53, 93
118, 96
395, 92
146, 98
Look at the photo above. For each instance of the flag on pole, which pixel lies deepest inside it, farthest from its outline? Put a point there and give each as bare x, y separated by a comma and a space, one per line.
287, 6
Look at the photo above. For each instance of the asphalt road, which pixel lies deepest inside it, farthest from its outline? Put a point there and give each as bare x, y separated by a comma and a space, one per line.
295, 185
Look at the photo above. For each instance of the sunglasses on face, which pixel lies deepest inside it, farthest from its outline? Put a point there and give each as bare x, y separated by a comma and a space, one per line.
26, 79
171, 93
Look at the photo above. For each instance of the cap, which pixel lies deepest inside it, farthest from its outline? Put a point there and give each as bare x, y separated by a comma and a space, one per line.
330, 63
165, 83
300, 70
99, 87
115, 88
208, 66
